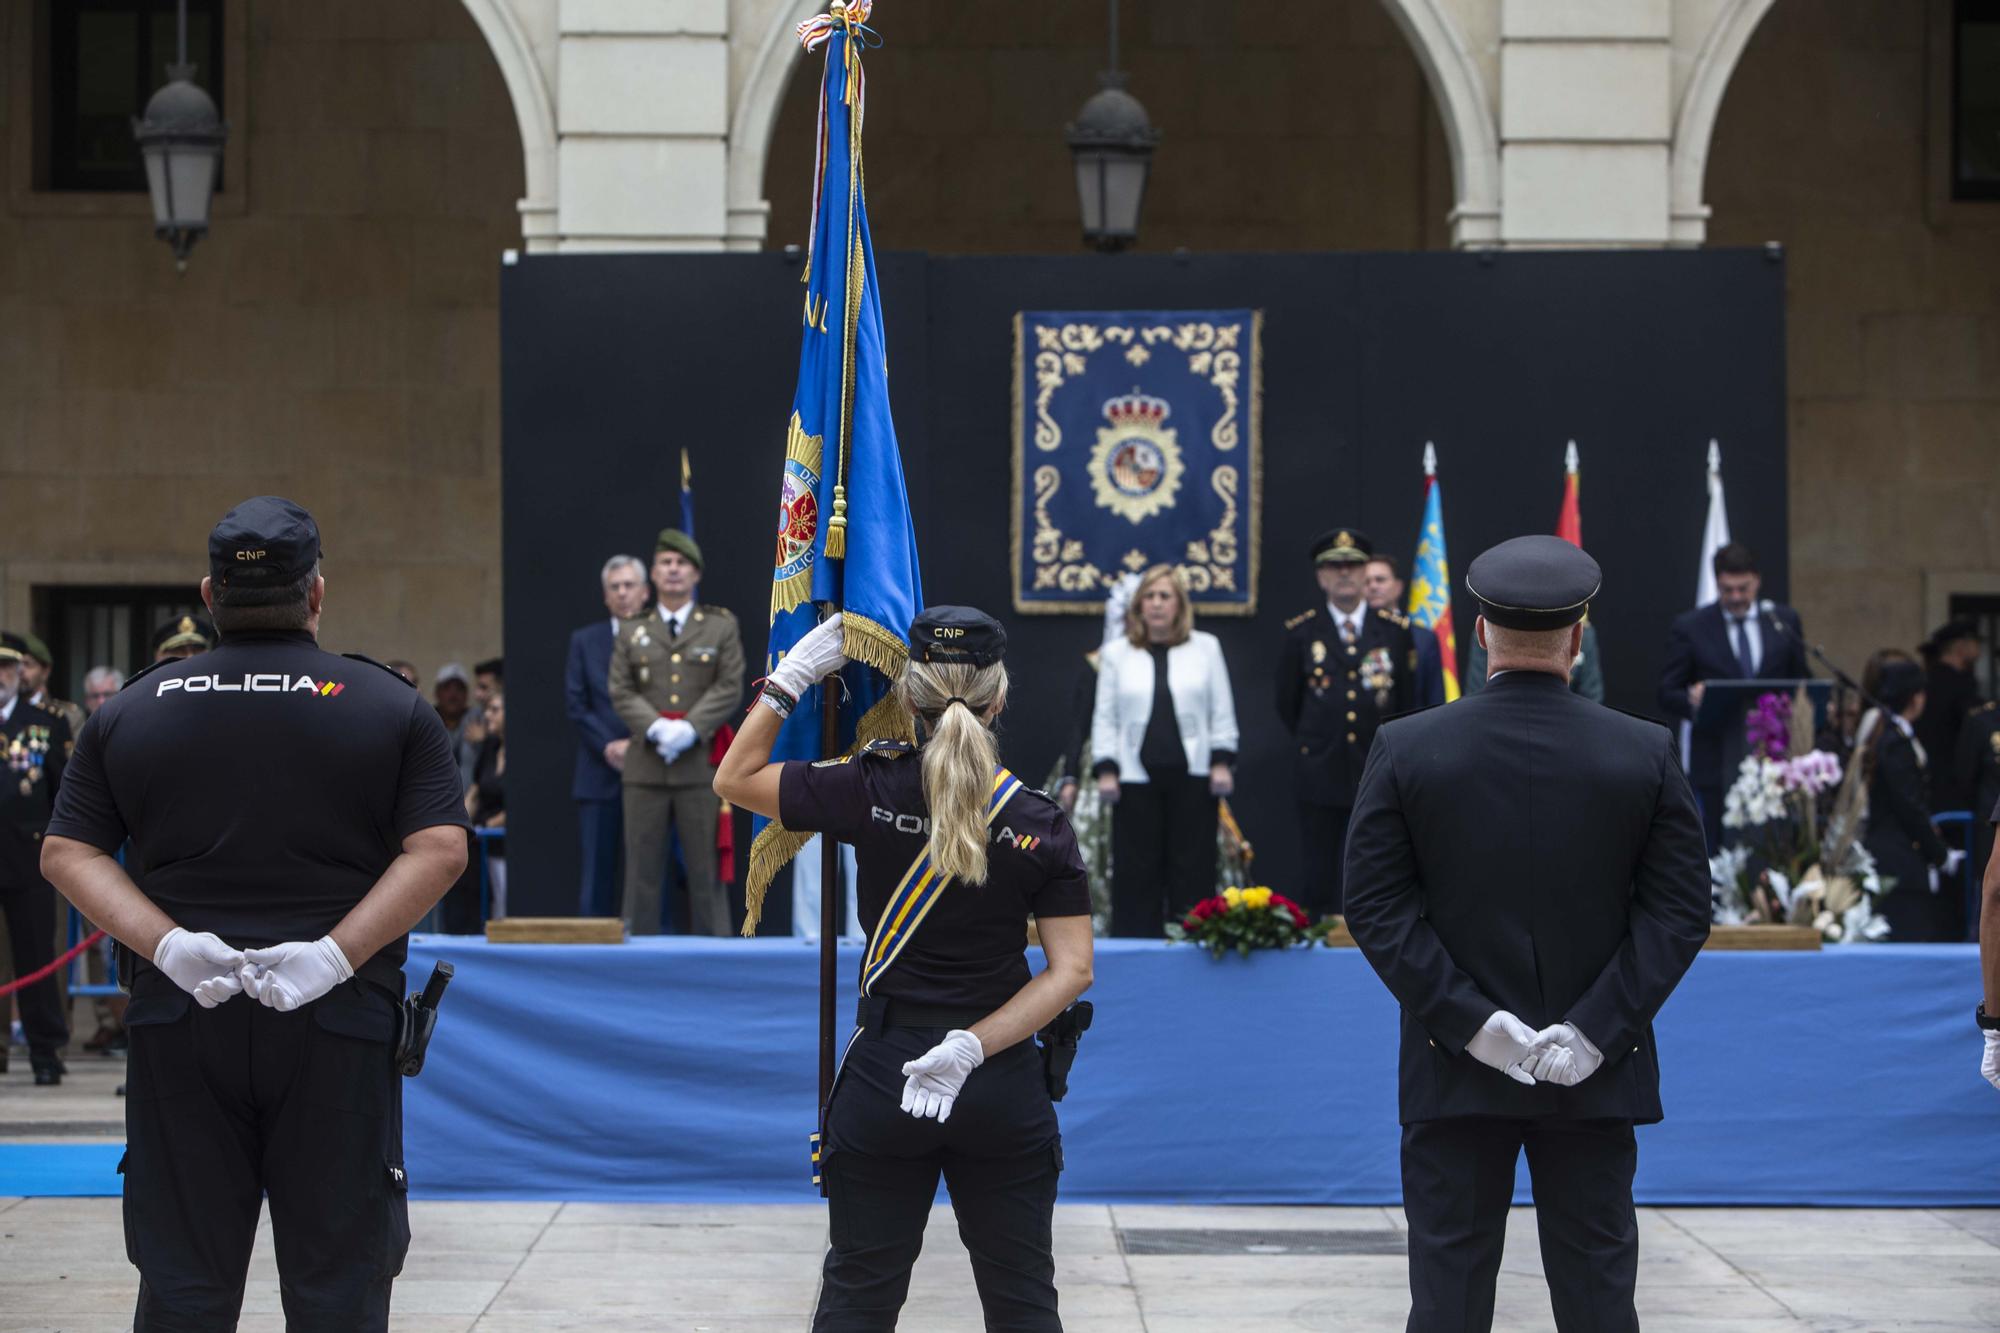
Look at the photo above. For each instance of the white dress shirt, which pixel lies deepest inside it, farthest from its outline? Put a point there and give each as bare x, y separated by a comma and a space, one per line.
1354, 619
676, 621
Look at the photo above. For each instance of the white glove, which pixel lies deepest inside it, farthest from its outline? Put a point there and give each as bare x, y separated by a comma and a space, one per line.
1953, 859
202, 965
1563, 1056
812, 659
938, 1074
1989, 1063
671, 737
286, 976
1504, 1042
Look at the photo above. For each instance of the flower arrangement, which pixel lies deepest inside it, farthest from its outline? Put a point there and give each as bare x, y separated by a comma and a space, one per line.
1242, 919
1797, 858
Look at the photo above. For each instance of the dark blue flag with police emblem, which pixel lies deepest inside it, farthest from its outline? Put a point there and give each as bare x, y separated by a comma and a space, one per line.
1137, 442
844, 537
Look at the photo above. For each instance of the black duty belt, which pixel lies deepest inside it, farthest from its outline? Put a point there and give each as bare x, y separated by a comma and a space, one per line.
875, 1012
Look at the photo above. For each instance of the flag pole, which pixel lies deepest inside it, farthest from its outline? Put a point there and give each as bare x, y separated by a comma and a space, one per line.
829, 898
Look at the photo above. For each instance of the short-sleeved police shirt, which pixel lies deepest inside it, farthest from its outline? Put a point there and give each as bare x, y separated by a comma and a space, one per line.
265, 786
970, 950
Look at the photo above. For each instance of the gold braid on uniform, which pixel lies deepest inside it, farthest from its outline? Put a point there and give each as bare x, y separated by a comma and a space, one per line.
862, 640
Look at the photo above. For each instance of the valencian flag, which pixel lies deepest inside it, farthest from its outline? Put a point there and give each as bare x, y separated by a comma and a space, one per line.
845, 542
1569, 523
1430, 577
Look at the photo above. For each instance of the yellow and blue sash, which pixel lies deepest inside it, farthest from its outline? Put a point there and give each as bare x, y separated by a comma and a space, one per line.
919, 891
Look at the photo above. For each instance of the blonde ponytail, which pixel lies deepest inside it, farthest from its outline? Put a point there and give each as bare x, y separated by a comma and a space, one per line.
951, 701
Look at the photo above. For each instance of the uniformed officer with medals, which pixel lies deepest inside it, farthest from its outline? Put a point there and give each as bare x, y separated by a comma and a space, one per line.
1345, 667
290, 815
954, 856
35, 744
1526, 872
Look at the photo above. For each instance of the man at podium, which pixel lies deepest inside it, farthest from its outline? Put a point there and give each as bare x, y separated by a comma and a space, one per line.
1738, 637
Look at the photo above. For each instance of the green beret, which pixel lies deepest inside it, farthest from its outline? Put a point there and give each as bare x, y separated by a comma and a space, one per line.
35, 648
673, 539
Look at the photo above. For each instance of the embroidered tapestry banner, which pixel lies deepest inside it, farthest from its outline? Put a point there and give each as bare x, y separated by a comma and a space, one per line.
1136, 442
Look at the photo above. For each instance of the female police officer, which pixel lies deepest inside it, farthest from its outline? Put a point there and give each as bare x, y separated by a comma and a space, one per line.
954, 855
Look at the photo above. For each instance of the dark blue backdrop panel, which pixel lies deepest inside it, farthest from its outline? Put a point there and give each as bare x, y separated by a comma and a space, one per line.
683, 1070
611, 362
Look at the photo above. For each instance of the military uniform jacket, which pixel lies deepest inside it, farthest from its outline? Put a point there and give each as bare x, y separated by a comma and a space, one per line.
697, 676
1901, 837
1978, 762
35, 744
1333, 696
1529, 850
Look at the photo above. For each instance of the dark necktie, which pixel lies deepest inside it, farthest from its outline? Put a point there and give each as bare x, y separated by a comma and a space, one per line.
1741, 638
1346, 631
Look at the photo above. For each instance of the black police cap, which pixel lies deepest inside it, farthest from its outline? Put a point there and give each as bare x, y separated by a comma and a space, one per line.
958, 636
12, 647
1342, 546
1534, 583
265, 542
184, 632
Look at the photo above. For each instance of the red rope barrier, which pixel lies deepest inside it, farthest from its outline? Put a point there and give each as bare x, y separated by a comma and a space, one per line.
49, 971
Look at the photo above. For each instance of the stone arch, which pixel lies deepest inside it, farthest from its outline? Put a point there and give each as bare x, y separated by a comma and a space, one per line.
1467, 114
1694, 126
772, 66
534, 113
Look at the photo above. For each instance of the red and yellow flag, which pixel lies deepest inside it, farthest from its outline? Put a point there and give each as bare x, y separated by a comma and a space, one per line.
1569, 523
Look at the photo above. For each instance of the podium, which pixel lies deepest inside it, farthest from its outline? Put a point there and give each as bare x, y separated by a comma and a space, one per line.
1726, 704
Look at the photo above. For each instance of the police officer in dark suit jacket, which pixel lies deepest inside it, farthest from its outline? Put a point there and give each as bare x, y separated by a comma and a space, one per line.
34, 744
601, 736
1901, 837
1739, 636
1525, 871
1345, 666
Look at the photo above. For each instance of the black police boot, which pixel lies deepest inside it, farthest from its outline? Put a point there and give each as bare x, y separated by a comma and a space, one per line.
49, 1069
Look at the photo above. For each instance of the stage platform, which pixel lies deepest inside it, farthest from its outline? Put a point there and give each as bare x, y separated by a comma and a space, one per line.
682, 1070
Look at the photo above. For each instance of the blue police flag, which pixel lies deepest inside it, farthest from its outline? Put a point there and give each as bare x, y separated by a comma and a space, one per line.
845, 540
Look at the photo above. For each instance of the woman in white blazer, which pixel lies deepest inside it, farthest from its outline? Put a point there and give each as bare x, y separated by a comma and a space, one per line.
1163, 748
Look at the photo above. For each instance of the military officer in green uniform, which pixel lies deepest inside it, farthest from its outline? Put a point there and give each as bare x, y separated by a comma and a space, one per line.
676, 679
1345, 667
35, 664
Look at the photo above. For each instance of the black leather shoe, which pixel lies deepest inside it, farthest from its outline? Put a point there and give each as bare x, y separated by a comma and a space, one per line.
3, 1057
48, 1076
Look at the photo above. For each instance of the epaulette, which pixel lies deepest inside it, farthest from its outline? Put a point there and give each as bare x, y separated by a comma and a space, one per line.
834, 762
1301, 618
1986, 707
1393, 616
146, 671
359, 657
888, 749
708, 609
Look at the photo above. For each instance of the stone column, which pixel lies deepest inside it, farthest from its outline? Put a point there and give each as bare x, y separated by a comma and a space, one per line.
1585, 122
642, 115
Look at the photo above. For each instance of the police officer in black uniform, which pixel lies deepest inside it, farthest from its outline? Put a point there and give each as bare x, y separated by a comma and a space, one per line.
1345, 667
1526, 872
291, 814
954, 857
34, 743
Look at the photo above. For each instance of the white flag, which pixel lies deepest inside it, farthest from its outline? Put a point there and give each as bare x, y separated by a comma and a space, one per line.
1714, 533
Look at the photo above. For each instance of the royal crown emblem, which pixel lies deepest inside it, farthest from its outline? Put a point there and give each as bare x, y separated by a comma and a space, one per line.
1135, 467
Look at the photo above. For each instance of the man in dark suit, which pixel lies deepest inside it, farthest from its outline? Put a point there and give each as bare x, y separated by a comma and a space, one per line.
1951, 693
1525, 871
601, 736
34, 745
1739, 636
1345, 666
1385, 593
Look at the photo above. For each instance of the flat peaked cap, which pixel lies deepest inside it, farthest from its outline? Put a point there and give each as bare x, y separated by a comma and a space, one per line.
1342, 546
961, 635
1533, 583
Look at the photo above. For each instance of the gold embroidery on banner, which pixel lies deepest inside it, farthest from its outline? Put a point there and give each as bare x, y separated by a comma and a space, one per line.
1222, 562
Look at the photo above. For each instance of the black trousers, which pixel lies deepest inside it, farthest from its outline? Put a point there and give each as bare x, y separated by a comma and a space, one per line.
1162, 852
30, 906
602, 826
1322, 848
1458, 1182
1000, 1154
1708, 798
227, 1105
